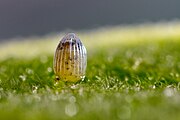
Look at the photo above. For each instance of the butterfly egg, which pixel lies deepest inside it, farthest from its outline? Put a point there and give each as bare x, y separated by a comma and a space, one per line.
70, 59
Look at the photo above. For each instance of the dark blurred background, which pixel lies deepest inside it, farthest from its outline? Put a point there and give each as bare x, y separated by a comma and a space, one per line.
39, 17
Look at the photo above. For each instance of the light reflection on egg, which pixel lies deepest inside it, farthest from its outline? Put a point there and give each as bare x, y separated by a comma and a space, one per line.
70, 59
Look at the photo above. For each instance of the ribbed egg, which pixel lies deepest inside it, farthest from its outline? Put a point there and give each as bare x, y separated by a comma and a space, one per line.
70, 59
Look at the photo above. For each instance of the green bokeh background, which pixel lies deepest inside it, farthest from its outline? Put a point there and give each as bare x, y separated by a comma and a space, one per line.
133, 72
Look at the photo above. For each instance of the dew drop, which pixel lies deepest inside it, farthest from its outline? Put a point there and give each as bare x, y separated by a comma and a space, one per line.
169, 92
22, 77
71, 109
34, 89
72, 99
49, 69
29, 71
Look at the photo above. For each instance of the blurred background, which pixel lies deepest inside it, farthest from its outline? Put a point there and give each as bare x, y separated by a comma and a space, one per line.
24, 18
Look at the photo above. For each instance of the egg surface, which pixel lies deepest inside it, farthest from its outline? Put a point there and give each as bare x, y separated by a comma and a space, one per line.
70, 59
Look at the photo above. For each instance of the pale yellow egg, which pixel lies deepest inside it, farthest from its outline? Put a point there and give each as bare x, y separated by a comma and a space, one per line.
70, 59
